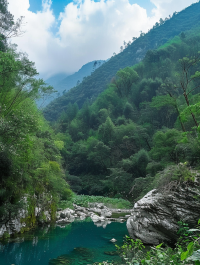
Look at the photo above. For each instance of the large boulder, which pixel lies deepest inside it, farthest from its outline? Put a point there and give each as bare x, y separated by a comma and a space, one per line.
154, 218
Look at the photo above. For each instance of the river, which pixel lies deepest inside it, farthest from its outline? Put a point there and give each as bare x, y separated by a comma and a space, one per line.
79, 243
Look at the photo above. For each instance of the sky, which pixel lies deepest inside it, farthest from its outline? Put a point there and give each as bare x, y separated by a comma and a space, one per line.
62, 35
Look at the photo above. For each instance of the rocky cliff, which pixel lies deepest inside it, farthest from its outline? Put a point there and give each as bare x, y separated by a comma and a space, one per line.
154, 218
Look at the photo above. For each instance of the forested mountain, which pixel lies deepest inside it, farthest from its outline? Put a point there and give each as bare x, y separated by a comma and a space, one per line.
55, 79
71, 81
146, 120
62, 83
93, 85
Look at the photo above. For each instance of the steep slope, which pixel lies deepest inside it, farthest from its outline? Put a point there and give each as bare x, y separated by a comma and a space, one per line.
138, 126
71, 81
55, 79
63, 82
94, 84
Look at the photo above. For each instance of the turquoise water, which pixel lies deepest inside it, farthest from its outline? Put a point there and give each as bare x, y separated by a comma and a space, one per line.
75, 244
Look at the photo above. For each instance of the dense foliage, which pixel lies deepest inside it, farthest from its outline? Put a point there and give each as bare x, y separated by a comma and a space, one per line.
85, 200
145, 120
186, 251
30, 160
134, 52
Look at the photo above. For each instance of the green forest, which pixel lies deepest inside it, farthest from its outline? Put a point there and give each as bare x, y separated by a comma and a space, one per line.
30, 159
118, 135
146, 120
129, 55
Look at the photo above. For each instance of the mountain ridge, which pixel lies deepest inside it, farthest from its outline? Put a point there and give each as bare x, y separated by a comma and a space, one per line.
93, 85
63, 82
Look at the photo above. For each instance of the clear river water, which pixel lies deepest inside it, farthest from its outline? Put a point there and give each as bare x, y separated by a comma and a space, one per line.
79, 243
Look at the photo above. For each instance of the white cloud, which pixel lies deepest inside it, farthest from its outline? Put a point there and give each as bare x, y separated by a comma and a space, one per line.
87, 30
94, 30
164, 8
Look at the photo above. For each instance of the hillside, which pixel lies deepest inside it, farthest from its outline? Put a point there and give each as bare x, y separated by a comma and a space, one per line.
53, 80
63, 82
70, 81
140, 125
94, 84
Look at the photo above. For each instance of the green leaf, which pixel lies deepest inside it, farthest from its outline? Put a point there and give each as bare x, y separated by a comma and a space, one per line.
190, 248
159, 246
184, 255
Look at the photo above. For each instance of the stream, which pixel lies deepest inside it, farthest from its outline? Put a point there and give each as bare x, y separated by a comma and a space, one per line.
78, 243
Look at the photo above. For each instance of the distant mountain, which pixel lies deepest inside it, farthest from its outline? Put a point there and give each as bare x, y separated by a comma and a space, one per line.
55, 79
94, 84
63, 82
52, 81
76, 78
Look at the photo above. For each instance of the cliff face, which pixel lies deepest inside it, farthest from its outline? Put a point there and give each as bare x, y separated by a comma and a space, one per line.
27, 218
155, 216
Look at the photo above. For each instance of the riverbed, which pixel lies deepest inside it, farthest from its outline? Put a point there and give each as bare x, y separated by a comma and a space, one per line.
78, 243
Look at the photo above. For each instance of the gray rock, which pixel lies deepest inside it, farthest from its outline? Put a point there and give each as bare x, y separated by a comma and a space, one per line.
127, 216
95, 218
106, 213
65, 213
96, 205
154, 217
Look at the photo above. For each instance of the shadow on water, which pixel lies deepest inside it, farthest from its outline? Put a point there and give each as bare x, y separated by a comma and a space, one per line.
79, 243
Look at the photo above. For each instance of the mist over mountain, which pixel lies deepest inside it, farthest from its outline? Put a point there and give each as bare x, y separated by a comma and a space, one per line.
70, 81
63, 82
117, 131
94, 84
53, 80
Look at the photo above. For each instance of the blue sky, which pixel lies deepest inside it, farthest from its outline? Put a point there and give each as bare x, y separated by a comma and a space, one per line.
85, 31
59, 5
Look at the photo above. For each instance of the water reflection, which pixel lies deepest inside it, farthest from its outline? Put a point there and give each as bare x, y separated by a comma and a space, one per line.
76, 243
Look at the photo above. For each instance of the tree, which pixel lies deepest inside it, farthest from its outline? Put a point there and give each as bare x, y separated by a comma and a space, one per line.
17, 81
124, 81
107, 130
118, 182
187, 82
100, 155
103, 115
167, 100
8, 28
161, 21
30, 164
136, 164
164, 146
186, 79
128, 110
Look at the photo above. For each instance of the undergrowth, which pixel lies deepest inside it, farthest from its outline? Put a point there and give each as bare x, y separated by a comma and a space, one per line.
83, 200
186, 251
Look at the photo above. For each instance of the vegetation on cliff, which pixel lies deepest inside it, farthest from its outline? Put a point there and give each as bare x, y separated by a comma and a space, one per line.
30, 159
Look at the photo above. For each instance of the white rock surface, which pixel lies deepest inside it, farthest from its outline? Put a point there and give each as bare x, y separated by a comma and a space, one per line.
155, 216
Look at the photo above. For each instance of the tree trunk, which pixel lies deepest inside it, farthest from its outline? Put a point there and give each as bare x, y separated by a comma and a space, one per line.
187, 101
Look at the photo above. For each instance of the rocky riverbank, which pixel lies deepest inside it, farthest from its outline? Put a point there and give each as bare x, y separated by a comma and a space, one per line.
98, 212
